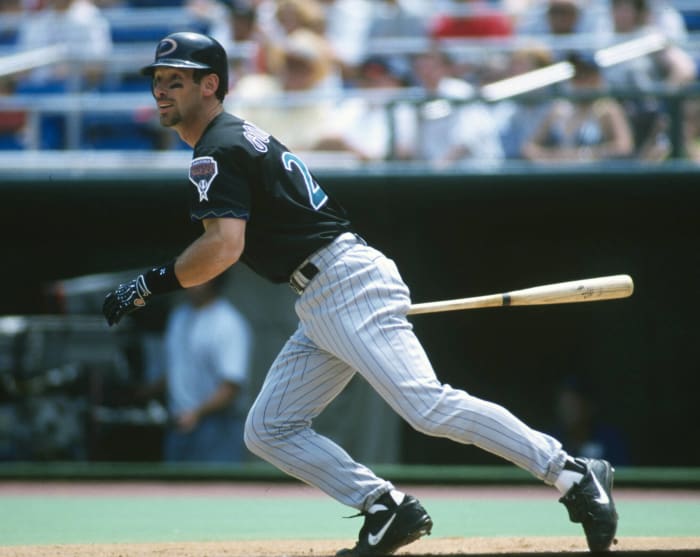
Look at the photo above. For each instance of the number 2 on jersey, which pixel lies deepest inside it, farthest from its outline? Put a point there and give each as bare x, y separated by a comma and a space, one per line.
317, 197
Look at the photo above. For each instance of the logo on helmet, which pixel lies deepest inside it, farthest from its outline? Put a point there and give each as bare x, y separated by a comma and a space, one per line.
165, 47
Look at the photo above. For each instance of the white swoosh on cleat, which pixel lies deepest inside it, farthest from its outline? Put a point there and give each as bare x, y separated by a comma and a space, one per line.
602, 498
374, 539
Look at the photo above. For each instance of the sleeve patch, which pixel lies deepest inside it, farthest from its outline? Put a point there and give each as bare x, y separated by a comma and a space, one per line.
203, 170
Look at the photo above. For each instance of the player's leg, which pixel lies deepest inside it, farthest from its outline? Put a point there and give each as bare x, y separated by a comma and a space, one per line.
302, 381
356, 309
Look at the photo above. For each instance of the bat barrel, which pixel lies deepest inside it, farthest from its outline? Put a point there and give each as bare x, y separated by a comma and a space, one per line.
584, 290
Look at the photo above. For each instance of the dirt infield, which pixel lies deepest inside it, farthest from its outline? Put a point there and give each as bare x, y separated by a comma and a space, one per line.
530, 546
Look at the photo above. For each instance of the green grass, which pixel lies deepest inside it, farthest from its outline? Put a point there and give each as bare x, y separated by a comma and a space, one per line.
60, 519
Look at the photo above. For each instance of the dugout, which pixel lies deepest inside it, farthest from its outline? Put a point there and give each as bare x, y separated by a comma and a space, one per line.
453, 234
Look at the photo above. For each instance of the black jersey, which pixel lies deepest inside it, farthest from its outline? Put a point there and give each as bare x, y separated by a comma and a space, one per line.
243, 172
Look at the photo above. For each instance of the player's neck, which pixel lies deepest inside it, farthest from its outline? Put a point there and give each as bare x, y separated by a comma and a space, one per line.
190, 134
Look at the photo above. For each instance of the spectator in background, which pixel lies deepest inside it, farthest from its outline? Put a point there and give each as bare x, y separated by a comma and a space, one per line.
580, 427
300, 14
518, 117
242, 21
10, 13
12, 122
592, 17
669, 68
691, 128
294, 102
308, 17
208, 346
78, 24
669, 19
374, 126
566, 20
396, 19
11, 7
563, 17
346, 28
581, 129
453, 125
234, 23
214, 17
303, 61
517, 9
244, 33
470, 18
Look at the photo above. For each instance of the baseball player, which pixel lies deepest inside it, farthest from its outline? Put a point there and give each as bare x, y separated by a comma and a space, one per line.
260, 204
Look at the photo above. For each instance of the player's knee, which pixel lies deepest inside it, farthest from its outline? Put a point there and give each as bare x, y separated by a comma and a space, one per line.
426, 424
263, 434
439, 416
254, 436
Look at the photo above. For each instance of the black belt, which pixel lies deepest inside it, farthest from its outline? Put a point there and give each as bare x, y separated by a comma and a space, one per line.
305, 272
301, 278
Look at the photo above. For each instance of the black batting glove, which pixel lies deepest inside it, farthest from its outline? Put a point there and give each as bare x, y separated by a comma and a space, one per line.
126, 299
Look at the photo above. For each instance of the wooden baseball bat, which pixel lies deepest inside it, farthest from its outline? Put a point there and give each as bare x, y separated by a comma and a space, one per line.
584, 290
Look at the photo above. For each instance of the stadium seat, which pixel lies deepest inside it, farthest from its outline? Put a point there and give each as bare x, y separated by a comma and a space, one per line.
120, 131
52, 126
10, 142
692, 19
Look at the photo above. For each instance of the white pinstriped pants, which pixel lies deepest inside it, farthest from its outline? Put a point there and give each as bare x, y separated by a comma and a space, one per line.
353, 319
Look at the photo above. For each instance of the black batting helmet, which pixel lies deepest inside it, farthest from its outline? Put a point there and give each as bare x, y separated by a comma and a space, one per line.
192, 51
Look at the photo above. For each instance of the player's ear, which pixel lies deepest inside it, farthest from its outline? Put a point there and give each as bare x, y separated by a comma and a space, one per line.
210, 84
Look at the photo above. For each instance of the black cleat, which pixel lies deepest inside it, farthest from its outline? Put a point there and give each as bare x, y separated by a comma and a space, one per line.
389, 525
590, 502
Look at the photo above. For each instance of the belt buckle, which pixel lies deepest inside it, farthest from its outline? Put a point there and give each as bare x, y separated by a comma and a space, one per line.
294, 284
299, 280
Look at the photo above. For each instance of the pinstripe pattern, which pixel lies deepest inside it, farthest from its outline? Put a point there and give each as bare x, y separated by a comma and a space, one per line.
353, 319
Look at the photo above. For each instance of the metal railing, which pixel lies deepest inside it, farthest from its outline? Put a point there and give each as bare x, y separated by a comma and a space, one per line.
74, 104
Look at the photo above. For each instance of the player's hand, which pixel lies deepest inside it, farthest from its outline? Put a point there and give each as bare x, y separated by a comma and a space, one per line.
127, 298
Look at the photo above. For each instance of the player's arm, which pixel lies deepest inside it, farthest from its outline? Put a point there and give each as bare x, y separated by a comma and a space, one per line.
219, 246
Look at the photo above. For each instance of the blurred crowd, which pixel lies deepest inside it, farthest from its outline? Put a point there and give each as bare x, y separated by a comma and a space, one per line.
442, 82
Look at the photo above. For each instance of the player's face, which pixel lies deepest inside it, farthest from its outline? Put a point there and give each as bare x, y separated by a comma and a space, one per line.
177, 96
